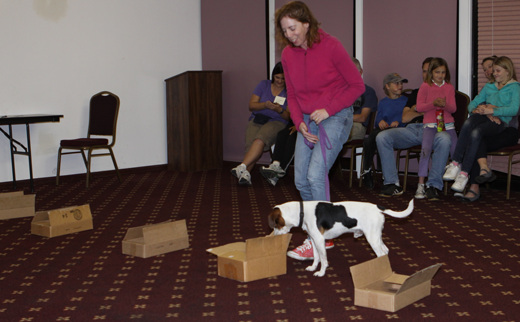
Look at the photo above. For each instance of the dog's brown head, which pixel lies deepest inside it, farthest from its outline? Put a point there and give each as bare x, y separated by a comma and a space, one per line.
276, 221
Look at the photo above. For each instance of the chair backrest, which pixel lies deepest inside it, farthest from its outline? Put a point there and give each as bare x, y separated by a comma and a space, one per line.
371, 121
461, 114
407, 92
104, 110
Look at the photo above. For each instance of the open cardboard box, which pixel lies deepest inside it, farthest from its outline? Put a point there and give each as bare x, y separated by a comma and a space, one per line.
377, 287
253, 259
16, 205
152, 240
63, 221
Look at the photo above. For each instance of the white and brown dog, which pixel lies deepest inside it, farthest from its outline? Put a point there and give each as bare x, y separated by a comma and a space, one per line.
325, 220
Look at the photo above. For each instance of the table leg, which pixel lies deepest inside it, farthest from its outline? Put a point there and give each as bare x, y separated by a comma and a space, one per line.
30, 158
12, 155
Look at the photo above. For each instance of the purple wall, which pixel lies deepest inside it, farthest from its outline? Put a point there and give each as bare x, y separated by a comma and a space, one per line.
233, 40
397, 38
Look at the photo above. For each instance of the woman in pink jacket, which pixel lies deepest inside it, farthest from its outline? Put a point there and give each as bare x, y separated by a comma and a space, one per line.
322, 84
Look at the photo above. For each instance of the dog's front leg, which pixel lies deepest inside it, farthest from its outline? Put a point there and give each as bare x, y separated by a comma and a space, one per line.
321, 252
316, 256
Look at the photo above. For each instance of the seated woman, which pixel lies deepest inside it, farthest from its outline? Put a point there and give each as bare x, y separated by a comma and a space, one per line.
480, 172
269, 116
499, 98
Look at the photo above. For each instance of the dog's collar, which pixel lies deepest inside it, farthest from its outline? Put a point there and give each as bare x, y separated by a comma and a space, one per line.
301, 215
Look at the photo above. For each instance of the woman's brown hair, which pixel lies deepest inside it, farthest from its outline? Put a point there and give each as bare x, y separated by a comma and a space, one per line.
299, 11
434, 64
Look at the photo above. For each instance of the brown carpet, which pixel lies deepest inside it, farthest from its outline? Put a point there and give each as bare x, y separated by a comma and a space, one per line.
85, 277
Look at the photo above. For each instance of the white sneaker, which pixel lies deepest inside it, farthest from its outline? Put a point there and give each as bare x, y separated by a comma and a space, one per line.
245, 179
452, 172
460, 183
421, 191
237, 172
272, 171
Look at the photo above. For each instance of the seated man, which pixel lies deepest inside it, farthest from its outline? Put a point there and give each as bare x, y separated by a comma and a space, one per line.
363, 106
407, 137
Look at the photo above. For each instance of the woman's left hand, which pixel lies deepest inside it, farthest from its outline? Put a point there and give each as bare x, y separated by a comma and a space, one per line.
319, 116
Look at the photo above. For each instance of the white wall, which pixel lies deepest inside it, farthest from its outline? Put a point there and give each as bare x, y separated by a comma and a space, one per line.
57, 53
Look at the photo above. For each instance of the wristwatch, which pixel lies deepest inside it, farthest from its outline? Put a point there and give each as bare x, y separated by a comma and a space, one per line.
281, 111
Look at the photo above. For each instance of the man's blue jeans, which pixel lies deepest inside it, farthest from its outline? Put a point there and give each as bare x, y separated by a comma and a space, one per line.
309, 166
407, 137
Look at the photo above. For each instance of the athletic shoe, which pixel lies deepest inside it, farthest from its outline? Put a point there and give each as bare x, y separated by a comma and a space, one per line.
273, 181
460, 183
245, 179
431, 194
391, 190
420, 193
272, 171
305, 252
452, 172
237, 172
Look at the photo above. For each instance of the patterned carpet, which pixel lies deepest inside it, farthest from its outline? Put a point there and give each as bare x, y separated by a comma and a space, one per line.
85, 277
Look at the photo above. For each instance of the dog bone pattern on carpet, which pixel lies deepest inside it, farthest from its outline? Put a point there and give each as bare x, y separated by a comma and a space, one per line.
85, 277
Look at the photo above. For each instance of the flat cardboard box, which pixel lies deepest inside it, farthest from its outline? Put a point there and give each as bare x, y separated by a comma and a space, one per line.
63, 221
16, 205
378, 287
253, 259
152, 240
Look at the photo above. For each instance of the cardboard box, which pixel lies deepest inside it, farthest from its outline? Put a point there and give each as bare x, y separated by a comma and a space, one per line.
377, 287
16, 205
63, 221
152, 240
253, 259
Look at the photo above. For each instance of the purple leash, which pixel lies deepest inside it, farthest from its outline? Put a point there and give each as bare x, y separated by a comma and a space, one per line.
325, 144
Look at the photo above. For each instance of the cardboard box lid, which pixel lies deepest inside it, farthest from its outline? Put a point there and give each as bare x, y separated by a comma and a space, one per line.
16, 199
419, 277
64, 215
371, 271
254, 248
157, 233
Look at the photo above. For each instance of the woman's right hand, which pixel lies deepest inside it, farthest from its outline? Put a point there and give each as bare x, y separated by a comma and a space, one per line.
304, 131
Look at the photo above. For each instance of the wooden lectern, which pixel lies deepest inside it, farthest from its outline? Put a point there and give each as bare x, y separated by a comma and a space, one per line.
194, 121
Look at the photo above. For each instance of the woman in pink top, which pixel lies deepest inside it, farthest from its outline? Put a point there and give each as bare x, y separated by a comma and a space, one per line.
436, 99
322, 84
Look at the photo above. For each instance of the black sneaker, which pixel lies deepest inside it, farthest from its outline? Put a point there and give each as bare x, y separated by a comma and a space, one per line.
391, 190
368, 180
431, 194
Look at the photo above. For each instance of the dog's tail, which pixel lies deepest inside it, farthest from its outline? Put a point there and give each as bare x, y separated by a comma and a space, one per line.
398, 214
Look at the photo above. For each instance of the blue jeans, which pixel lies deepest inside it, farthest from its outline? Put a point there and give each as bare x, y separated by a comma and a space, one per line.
407, 137
475, 128
309, 166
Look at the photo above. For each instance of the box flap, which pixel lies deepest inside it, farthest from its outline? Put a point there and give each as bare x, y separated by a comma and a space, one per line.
16, 199
419, 277
133, 233
221, 250
69, 214
370, 271
396, 278
10, 194
164, 231
40, 216
267, 246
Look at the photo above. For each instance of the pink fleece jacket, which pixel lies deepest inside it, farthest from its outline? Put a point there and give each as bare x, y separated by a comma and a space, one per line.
321, 77
427, 94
